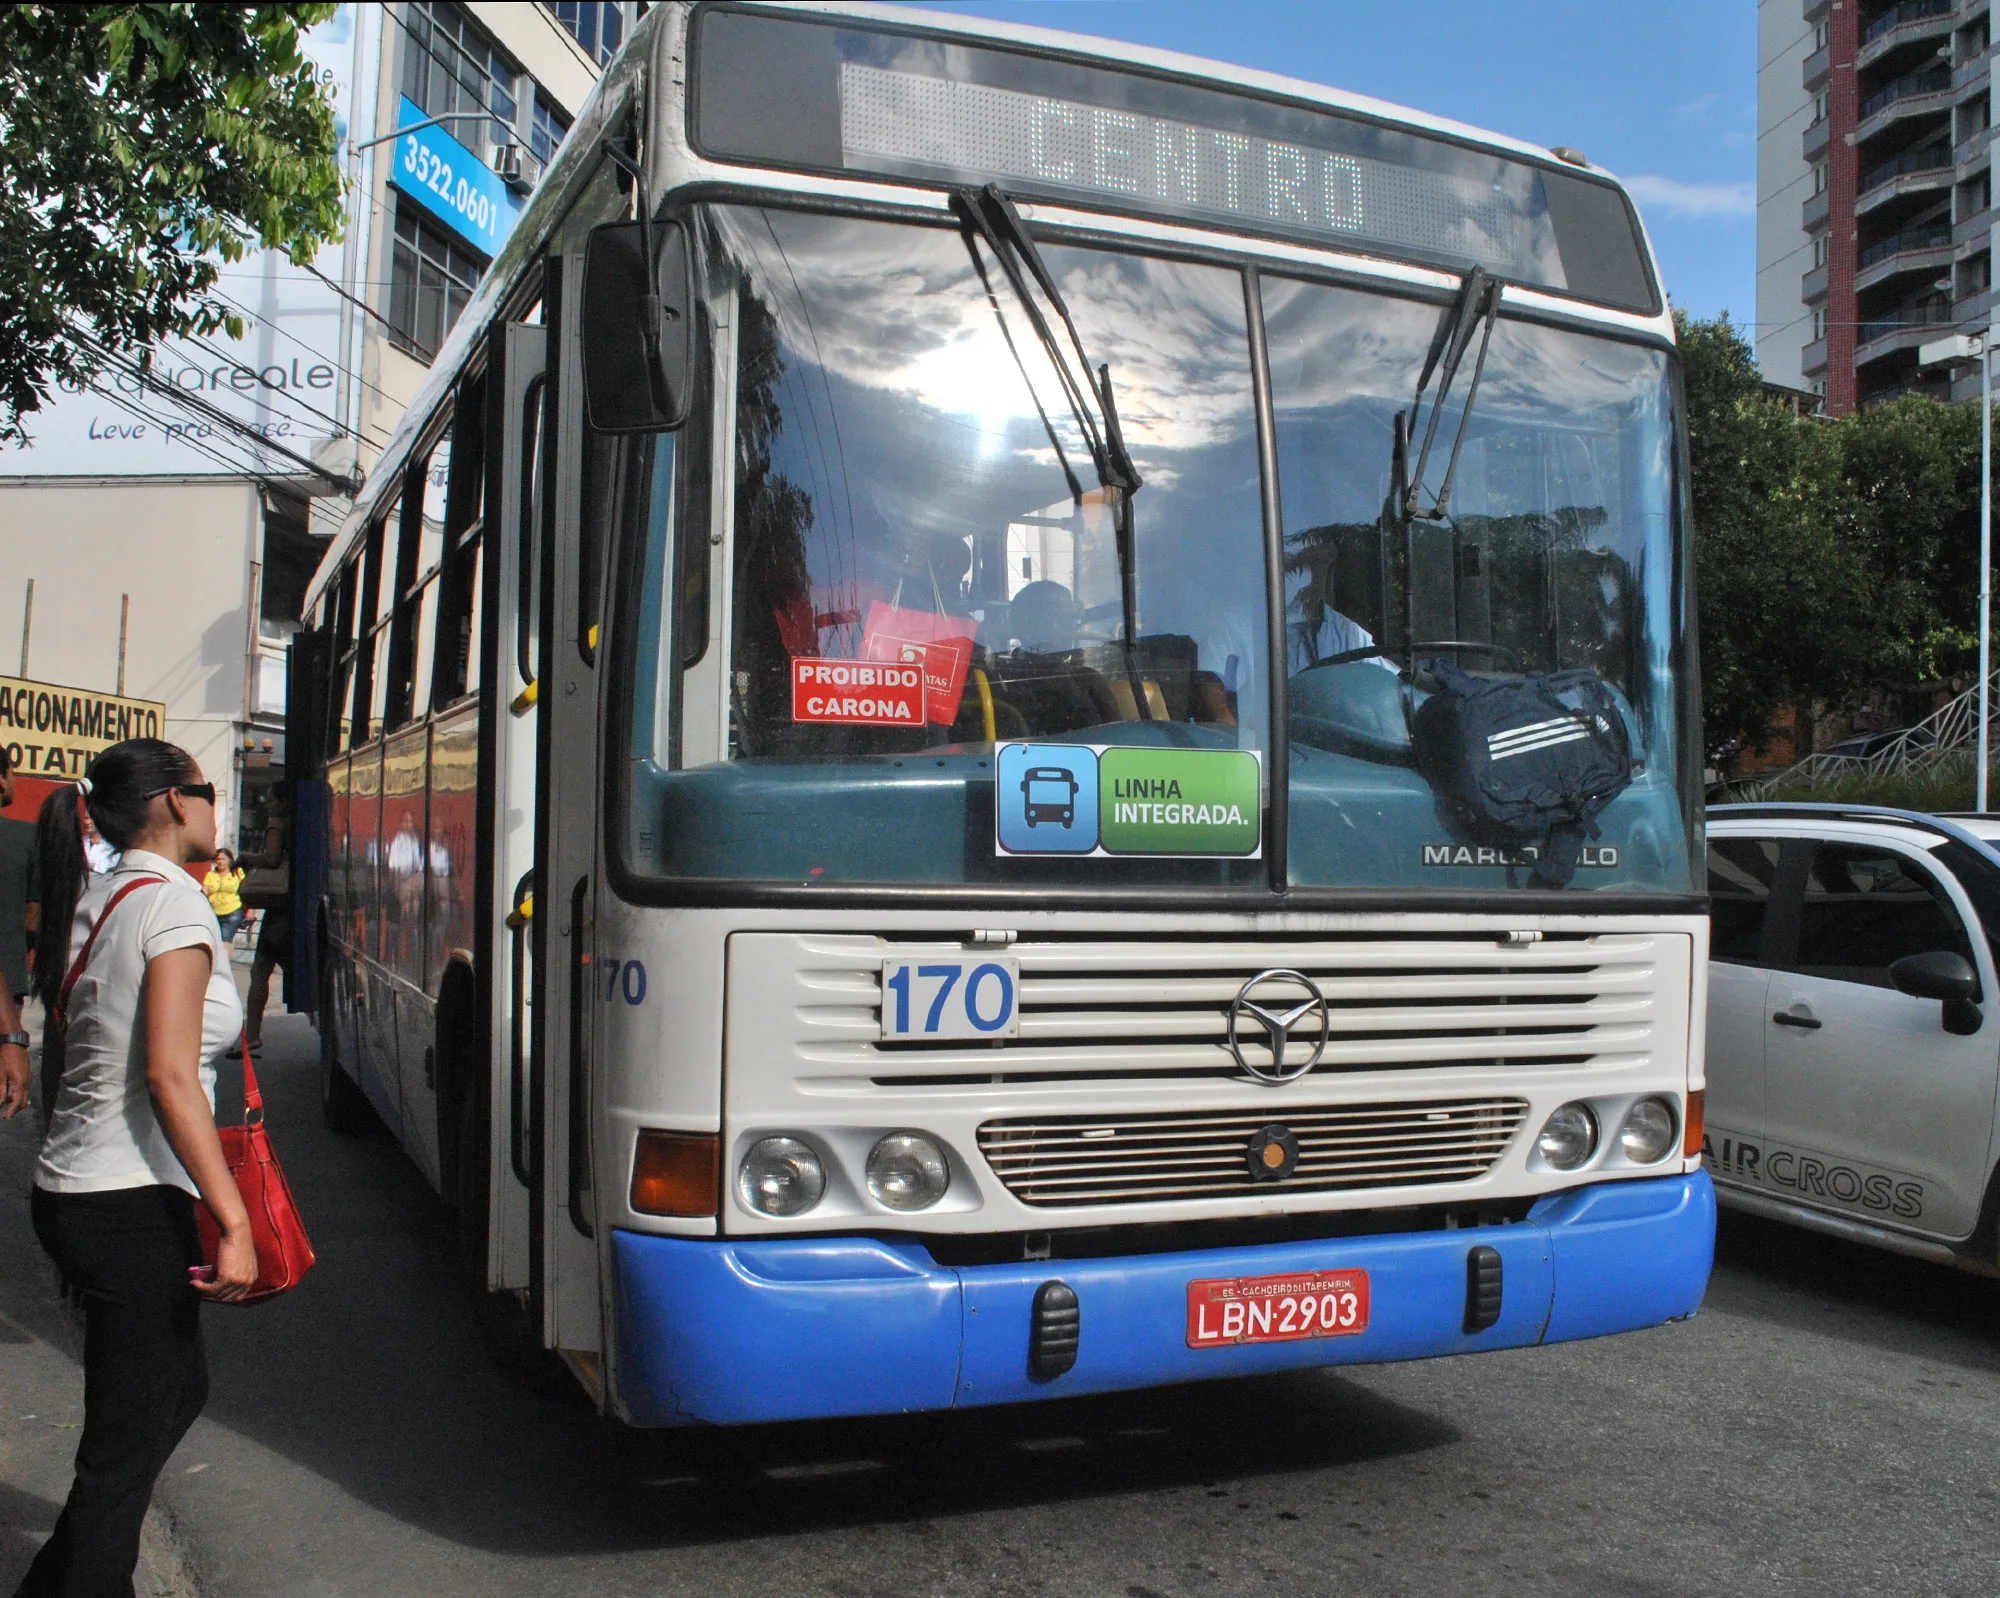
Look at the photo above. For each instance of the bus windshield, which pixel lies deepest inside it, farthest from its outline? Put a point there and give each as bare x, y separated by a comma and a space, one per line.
899, 626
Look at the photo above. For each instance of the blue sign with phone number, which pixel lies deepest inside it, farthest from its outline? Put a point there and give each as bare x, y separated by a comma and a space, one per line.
450, 182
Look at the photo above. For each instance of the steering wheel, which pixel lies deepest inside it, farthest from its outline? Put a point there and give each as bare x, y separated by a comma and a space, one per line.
1347, 656
1499, 651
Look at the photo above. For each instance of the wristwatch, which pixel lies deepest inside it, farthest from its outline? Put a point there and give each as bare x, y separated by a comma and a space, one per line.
19, 1040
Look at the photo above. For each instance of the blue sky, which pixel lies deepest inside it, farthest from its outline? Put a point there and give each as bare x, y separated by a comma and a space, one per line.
1666, 97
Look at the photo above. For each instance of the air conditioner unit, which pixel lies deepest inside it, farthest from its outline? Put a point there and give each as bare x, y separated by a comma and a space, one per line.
518, 167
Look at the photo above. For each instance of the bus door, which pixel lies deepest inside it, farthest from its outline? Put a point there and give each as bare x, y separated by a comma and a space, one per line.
513, 577
580, 506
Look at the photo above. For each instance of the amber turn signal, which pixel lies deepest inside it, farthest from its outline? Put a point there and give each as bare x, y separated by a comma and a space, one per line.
1691, 1120
676, 1173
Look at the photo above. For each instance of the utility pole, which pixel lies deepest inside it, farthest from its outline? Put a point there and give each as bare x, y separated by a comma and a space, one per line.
27, 624
1985, 563
124, 622
1942, 352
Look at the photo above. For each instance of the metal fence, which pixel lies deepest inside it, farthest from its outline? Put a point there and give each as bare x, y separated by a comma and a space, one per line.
1952, 729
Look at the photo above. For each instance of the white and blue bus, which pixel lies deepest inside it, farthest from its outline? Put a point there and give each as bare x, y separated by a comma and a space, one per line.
1017, 717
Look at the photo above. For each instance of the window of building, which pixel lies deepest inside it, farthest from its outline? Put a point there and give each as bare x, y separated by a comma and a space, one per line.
1820, 247
431, 277
597, 25
1819, 324
1819, 177
1819, 107
450, 65
546, 127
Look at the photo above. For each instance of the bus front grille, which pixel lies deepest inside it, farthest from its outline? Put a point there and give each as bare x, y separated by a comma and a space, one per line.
1054, 1161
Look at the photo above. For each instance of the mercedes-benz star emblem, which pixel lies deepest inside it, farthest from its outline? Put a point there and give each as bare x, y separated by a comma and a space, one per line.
1279, 1014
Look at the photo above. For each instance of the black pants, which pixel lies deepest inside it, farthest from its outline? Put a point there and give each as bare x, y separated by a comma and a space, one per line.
126, 1255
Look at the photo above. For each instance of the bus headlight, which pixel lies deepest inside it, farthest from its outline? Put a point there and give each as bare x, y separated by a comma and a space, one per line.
1568, 1138
907, 1171
781, 1176
1648, 1131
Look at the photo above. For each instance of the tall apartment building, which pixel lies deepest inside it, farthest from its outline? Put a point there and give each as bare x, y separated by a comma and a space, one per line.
1874, 193
157, 536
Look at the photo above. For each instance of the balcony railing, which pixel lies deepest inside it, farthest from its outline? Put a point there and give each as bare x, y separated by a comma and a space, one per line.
1925, 160
1908, 11
1934, 236
1902, 321
1936, 81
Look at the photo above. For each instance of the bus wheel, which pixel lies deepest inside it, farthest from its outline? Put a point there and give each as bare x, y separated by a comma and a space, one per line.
470, 1192
341, 1101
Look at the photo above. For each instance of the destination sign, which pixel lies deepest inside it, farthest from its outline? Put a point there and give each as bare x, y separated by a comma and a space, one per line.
820, 93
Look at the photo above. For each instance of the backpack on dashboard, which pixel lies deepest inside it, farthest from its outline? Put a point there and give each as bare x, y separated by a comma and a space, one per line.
1523, 764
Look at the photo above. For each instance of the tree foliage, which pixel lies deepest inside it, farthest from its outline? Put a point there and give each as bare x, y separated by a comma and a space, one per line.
141, 148
1831, 557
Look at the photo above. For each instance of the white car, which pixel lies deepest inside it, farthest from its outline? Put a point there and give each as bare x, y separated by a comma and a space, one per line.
1853, 1063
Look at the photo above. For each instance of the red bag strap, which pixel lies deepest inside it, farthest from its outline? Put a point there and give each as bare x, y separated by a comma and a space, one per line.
253, 1096
90, 942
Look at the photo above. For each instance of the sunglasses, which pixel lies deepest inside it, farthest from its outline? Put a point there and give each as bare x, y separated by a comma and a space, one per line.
188, 790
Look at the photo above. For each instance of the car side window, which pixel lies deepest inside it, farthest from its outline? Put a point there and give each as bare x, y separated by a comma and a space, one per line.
1865, 908
1979, 876
1740, 874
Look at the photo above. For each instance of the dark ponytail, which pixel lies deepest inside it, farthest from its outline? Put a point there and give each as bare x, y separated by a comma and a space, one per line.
117, 792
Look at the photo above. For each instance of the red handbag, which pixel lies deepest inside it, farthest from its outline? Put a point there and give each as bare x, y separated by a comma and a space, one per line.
284, 1252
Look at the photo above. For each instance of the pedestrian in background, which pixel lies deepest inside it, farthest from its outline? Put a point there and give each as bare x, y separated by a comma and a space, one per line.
17, 892
101, 855
16, 1074
224, 885
131, 1141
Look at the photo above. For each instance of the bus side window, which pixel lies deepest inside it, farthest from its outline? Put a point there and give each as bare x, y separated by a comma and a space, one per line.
418, 553
340, 603
601, 455
528, 612
455, 604
369, 632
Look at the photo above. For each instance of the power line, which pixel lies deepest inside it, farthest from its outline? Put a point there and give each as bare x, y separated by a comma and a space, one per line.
339, 427
214, 413
176, 431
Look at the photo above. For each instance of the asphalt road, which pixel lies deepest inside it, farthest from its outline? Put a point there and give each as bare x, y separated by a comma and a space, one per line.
1830, 1422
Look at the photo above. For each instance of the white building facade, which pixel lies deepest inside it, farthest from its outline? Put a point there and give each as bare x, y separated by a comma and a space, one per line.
157, 534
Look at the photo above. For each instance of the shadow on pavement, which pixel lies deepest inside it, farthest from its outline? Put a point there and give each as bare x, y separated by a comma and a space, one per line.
25, 1520
1787, 1276
372, 1376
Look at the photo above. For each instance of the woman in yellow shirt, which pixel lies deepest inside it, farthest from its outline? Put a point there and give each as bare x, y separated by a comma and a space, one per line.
224, 887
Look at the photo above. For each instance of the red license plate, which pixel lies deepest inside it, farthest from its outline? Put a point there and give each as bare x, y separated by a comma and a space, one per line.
1227, 1310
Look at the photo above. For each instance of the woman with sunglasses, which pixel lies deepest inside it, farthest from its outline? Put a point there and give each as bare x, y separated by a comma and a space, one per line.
131, 1144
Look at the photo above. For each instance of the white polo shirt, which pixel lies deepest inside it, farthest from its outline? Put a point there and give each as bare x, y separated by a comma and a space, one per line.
104, 1135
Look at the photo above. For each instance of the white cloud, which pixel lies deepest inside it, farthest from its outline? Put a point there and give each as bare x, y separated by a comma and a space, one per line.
1696, 108
1675, 198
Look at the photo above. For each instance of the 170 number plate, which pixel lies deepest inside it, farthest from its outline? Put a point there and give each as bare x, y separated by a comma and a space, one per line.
1227, 1310
936, 997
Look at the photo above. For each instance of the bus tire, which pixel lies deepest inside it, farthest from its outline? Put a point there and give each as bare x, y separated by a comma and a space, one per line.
341, 1102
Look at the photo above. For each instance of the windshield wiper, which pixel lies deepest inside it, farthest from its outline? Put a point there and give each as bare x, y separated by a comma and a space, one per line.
1091, 400
1476, 309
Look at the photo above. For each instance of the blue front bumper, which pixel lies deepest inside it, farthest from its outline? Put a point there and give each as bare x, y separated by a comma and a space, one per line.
789, 1329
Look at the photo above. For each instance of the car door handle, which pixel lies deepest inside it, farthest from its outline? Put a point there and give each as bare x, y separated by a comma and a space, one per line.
1804, 1023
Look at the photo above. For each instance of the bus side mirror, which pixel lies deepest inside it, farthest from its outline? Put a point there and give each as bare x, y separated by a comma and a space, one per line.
626, 389
1946, 977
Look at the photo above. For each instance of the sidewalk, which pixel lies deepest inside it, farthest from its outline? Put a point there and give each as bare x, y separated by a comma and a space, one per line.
41, 1392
